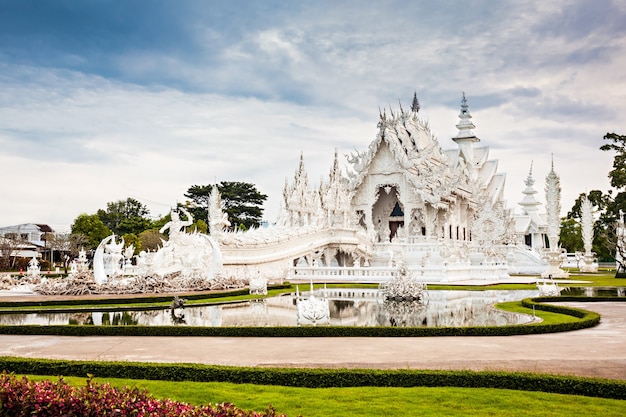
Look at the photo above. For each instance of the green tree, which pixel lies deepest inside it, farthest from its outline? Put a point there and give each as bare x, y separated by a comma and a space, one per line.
603, 228
132, 239
151, 239
618, 173
199, 226
241, 201
571, 237
126, 217
609, 207
92, 228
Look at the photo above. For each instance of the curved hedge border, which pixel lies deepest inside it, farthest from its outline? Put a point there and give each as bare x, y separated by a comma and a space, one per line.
586, 319
320, 378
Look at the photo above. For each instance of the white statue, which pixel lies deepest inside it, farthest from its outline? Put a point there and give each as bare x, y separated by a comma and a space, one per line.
33, 268
108, 259
258, 286
73, 268
587, 261
82, 264
177, 226
218, 220
554, 254
312, 310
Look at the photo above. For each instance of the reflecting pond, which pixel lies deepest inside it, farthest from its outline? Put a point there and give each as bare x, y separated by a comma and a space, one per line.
348, 307
594, 291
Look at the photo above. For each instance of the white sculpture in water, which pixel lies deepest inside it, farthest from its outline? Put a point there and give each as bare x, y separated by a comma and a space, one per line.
312, 310
404, 286
587, 260
258, 286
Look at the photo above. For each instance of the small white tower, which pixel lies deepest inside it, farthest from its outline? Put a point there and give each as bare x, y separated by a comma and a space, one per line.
466, 137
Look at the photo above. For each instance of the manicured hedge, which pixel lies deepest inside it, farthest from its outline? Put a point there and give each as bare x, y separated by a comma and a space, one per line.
320, 378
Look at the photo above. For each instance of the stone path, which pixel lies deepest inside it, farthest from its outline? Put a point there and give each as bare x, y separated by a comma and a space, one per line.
596, 352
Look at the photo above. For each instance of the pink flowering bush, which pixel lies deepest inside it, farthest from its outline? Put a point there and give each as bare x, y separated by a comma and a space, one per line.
21, 397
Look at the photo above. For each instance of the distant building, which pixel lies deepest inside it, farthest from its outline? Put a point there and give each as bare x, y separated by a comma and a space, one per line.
24, 240
34, 233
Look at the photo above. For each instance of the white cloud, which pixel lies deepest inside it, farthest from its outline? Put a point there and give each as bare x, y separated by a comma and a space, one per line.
247, 100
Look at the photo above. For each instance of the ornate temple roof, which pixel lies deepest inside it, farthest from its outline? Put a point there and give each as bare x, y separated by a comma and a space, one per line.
435, 173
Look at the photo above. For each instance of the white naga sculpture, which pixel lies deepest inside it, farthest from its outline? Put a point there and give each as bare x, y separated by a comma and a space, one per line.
587, 261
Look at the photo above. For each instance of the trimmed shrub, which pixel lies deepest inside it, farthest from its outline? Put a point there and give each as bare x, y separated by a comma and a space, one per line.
21, 397
320, 378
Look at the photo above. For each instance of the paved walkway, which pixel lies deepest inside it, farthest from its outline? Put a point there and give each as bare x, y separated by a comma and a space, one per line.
596, 352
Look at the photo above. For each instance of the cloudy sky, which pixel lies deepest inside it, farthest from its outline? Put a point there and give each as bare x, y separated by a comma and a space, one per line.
104, 100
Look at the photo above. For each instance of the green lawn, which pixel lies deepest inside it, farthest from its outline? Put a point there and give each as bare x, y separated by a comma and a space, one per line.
377, 401
546, 317
601, 279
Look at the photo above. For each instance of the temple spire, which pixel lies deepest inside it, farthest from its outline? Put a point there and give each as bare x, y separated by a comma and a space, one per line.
465, 125
415, 105
529, 203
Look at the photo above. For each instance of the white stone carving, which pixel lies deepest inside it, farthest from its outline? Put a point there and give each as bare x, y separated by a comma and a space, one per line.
194, 256
404, 286
620, 246
549, 288
554, 254
587, 261
33, 270
258, 286
107, 261
218, 220
312, 310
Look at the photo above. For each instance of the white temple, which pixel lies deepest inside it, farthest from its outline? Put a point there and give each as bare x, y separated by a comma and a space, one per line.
403, 200
405, 206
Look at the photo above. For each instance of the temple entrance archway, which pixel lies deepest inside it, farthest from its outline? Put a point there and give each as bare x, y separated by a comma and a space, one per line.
387, 212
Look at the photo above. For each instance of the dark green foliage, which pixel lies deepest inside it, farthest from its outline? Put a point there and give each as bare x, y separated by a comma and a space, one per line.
92, 228
570, 237
319, 378
604, 239
126, 217
241, 201
618, 173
